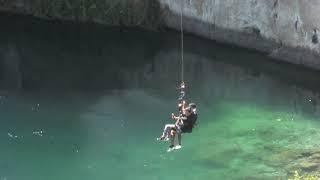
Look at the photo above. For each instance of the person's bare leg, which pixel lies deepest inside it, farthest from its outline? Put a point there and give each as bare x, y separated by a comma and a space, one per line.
166, 131
179, 139
171, 147
172, 138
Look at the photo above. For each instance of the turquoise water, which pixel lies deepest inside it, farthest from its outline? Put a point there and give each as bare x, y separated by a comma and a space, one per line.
88, 102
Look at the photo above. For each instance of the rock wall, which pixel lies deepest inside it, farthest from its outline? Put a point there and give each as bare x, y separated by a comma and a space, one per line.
111, 12
284, 29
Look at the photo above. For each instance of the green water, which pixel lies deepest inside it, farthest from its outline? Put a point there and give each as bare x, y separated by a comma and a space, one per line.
105, 94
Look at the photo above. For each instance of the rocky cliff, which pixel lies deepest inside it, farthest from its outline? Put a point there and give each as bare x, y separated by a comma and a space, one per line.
286, 30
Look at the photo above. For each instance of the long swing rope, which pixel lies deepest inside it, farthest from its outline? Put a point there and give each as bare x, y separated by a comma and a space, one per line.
182, 48
182, 85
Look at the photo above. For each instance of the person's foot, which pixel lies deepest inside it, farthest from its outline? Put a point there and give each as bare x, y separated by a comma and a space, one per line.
160, 138
163, 138
171, 148
177, 147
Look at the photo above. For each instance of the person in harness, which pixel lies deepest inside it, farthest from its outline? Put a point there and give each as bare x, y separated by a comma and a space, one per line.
167, 131
169, 128
184, 123
189, 120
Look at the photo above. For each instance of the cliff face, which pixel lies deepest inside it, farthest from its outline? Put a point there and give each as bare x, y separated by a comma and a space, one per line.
284, 29
120, 12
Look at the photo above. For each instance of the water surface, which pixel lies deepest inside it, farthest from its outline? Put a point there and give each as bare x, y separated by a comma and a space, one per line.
80, 101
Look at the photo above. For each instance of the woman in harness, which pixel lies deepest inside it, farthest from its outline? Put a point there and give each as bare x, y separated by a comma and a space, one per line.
184, 124
169, 128
189, 121
167, 131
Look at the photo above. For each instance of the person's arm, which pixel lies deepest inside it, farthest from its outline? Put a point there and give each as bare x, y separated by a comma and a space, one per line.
173, 117
179, 120
183, 118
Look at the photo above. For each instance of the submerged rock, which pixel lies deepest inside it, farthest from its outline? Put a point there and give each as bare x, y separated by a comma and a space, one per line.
284, 157
307, 162
309, 166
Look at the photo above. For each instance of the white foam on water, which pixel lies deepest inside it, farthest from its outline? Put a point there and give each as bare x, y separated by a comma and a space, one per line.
38, 133
13, 136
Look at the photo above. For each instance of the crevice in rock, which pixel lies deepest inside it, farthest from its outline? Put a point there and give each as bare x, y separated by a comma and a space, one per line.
315, 38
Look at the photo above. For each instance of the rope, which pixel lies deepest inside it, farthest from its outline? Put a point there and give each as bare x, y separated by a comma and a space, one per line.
182, 48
